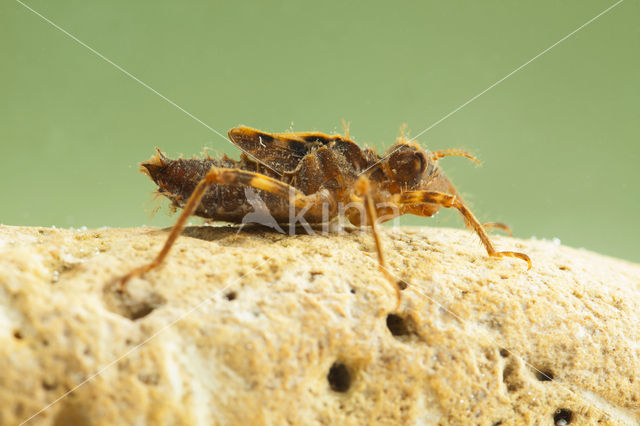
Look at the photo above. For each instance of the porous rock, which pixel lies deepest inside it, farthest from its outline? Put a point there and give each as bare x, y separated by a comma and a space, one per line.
258, 327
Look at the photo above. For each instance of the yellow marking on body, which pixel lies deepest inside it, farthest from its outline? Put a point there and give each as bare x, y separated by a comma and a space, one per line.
423, 197
412, 197
265, 184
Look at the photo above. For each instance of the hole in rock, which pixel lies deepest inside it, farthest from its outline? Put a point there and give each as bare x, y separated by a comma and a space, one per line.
339, 377
544, 376
140, 310
397, 325
562, 417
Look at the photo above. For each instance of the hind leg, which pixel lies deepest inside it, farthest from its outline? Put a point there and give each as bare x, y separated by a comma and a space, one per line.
222, 176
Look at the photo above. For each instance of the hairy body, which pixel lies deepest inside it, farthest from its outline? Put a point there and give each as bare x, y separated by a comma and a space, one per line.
314, 176
322, 164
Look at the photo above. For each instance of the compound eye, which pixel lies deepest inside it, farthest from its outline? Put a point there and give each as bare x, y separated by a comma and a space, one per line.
408, 166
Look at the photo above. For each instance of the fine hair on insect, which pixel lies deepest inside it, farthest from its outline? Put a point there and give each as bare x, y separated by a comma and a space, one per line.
311, 178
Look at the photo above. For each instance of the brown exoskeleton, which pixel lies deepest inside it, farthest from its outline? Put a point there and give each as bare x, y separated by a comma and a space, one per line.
309, 175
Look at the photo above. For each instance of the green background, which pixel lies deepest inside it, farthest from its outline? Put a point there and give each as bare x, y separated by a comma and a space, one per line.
558, 139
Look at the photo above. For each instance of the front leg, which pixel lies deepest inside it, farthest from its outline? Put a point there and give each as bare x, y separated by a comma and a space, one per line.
448, 200
222, 176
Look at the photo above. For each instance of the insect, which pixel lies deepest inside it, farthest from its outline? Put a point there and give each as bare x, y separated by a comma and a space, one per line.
311, 176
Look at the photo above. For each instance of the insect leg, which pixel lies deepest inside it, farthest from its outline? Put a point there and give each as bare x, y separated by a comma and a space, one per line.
448, 200
221, 176
363, 187
192, 204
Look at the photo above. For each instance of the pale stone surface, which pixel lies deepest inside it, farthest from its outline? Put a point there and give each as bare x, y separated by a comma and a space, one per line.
244, 329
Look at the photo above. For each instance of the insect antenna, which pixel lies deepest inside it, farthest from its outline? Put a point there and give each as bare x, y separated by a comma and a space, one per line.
497, 225
436, 155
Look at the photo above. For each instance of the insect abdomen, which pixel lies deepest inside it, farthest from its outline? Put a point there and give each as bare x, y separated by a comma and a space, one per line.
177, 179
